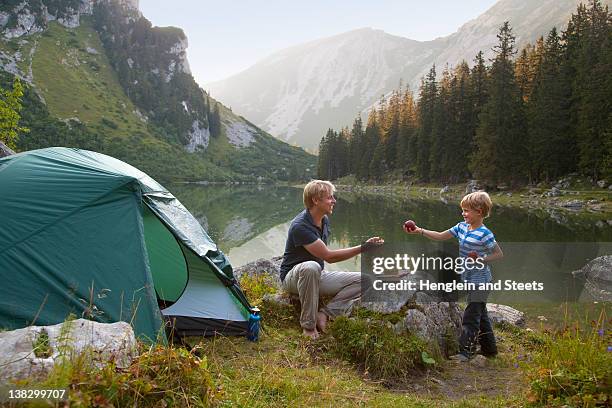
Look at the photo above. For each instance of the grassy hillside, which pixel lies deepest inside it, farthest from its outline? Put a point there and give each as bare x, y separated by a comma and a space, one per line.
78, 83
85, 105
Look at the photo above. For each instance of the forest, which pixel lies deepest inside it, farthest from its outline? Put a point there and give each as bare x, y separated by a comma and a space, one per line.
526, 117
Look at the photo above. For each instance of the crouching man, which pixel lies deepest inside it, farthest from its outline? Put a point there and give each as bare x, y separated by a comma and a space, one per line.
302, 270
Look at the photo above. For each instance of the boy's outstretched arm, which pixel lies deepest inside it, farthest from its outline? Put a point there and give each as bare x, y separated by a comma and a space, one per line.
435, 235
496, 254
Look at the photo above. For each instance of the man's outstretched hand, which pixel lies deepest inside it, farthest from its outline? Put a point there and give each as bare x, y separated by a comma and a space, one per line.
372, 243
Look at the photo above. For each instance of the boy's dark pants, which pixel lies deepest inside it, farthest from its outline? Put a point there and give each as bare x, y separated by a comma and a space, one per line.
476, 327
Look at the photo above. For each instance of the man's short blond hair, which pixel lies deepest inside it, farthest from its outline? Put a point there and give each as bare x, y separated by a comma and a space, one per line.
317, 189
478, 201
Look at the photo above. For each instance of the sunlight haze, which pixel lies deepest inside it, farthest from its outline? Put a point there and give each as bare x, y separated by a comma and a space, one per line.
228, 37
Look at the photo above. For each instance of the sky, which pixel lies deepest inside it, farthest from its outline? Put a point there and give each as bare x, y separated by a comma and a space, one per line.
226, 37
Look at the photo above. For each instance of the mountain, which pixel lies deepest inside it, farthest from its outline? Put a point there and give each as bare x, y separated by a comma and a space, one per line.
298, 93
100, 76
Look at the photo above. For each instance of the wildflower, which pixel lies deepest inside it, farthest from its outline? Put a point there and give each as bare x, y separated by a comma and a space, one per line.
609, 348
600, 332
516, 365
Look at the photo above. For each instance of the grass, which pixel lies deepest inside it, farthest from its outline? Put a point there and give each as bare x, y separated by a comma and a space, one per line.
535, 368
573, 367
75, 83
161, 376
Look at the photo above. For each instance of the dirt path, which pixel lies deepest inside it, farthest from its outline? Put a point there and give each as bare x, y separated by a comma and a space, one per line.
492, 378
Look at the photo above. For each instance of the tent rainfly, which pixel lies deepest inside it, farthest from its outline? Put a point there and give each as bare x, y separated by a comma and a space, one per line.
86, 234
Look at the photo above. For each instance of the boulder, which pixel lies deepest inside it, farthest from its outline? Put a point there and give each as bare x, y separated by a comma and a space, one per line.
103, 342
505, 315
472, 186
602, 183
598, 279
554, 192
269, 267
5, 150
573, 204
431, 320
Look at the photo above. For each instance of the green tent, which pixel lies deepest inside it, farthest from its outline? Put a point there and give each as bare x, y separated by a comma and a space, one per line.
83, 233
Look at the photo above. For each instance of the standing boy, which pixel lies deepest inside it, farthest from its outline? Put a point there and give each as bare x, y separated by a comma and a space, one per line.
475, 241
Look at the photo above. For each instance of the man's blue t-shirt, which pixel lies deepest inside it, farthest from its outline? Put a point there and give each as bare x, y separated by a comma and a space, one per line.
302, 231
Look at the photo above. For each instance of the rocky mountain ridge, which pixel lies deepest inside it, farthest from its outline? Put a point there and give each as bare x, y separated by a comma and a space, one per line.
300, 92
102, 65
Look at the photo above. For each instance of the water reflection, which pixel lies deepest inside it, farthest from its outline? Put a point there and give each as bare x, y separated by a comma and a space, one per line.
251, 222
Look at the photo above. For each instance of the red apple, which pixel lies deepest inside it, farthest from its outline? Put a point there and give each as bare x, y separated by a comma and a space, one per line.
473, 255
410, 225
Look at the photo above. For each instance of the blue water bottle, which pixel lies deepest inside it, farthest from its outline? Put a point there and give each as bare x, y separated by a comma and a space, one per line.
254, 318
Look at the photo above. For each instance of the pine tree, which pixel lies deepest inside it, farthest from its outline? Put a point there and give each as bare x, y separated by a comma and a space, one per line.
427, 98
592, 89
371, 139
526, 67
391, 129
323, 168
439, 155
356, 146
406, 150
501, 151
214, 122
550, 143
461, 124
378, 166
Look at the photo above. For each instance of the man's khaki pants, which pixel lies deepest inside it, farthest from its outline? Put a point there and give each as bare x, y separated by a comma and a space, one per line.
309, 282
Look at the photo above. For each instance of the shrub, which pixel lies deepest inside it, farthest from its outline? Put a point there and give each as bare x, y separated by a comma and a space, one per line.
573, 368
256, 286
160, 376
377, 348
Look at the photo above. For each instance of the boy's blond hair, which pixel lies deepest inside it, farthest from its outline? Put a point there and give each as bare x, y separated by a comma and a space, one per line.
478, 201
317, 189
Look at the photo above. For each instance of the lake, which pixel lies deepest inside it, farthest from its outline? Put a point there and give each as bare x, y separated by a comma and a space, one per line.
251, 222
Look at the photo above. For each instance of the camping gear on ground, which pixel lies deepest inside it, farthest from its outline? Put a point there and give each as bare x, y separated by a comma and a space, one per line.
86, 234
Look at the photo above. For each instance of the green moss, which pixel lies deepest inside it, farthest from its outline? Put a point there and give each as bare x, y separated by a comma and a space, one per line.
41, 346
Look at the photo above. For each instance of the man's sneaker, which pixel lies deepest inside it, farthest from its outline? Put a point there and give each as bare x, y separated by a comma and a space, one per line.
460, 357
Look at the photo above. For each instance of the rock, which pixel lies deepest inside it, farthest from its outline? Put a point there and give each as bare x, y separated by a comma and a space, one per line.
472, 186
505, 315
5, 150
573, 204
282, 298
602, 183
431, 320
479, 361
387, 302
103, 341
563, 184
598, 275
445, 189
554, 192
270, 267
